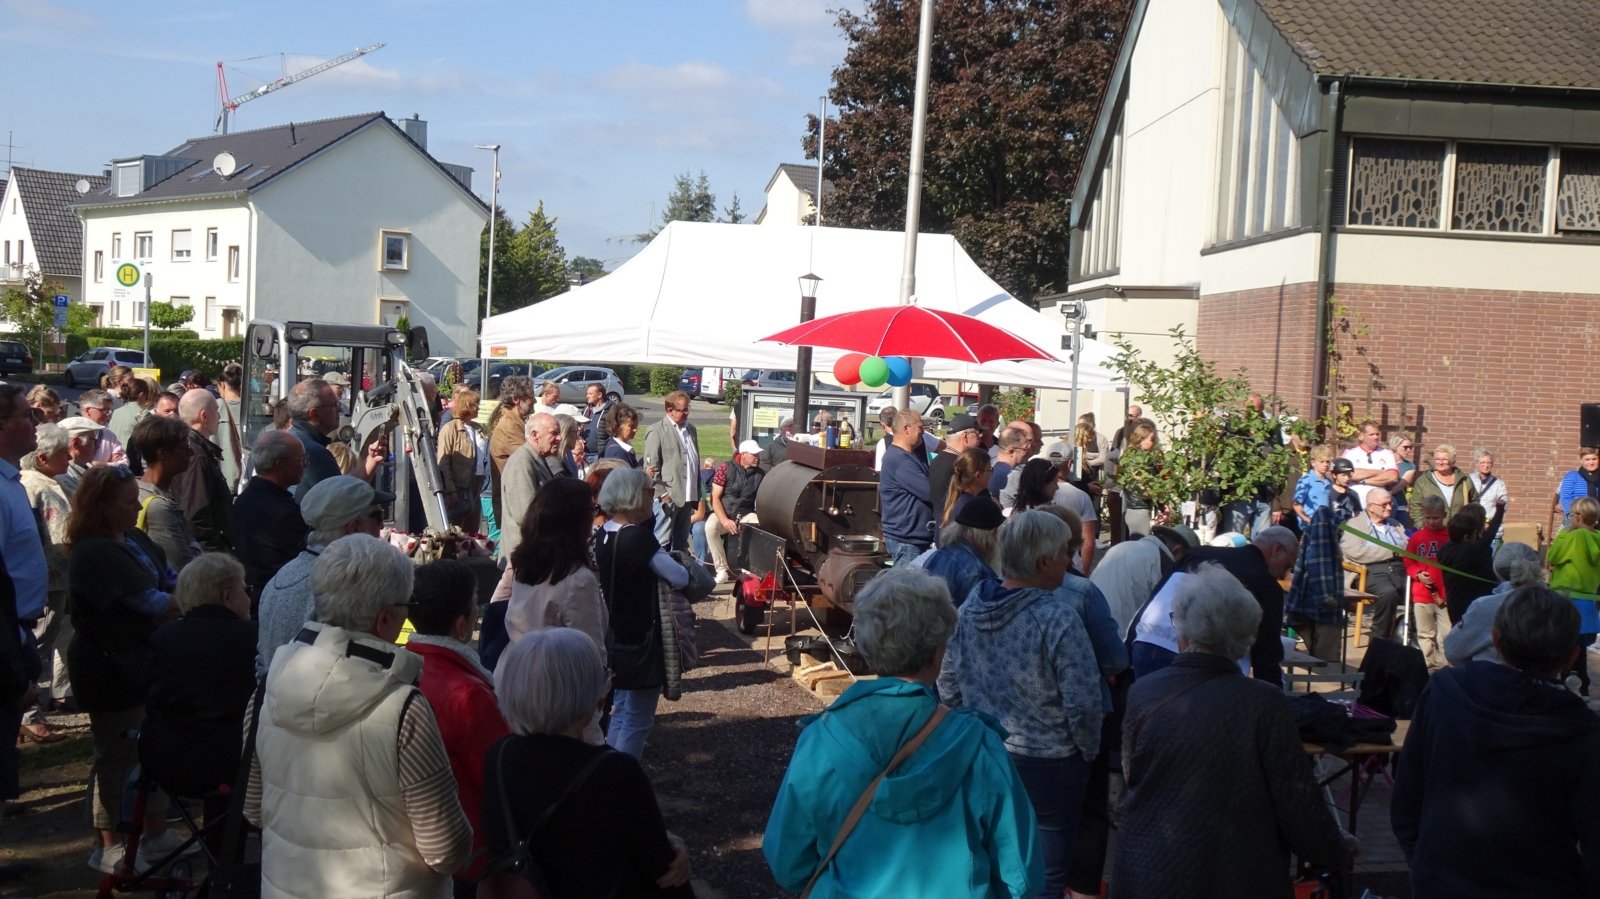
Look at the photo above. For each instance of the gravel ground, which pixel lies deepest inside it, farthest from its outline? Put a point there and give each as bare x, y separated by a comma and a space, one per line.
716, 757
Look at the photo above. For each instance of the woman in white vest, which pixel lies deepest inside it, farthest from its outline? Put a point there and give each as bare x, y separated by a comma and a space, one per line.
350, 784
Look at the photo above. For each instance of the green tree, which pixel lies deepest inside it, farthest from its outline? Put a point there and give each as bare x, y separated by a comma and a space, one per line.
733, 215
29, 308
169, 315
691, 200
529, 262
1014, 89
1212, 451
589, 268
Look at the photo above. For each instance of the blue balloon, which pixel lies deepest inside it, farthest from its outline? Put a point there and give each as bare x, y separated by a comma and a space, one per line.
899, 371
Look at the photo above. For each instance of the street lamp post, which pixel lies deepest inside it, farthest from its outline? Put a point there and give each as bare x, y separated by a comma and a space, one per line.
488, 289
802, 369
919, 120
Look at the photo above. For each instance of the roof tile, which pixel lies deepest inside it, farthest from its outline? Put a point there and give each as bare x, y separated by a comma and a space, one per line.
47, 199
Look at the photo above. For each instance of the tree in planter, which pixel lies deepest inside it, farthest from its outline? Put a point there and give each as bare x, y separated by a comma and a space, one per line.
169, 316
1211, 452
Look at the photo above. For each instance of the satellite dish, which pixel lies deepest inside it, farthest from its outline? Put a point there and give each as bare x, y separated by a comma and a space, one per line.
81, 186
224, 165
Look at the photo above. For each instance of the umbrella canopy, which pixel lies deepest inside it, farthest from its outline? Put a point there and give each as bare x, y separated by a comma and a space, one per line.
912, 331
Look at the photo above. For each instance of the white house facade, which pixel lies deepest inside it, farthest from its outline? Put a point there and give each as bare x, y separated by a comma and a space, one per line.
341, 220
38, 231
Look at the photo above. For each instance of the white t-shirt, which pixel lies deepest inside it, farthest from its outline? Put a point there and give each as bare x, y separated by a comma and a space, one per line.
1382, 458
1080, 503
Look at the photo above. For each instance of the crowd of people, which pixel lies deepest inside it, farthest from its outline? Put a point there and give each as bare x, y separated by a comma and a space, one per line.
261, 646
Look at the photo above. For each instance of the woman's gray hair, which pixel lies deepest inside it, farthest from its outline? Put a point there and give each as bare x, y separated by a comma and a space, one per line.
356, 577
549, 680
986, 542
1026, 538
305, 397
902, 617
569, 433
625, 490
1518, 563
1215, 612
1448, 450
51, 439
205, 579
1481, 453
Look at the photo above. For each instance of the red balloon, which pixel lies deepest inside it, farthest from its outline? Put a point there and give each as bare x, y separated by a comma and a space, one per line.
848, 369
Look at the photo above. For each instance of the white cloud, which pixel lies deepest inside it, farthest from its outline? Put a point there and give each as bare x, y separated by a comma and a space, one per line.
692, 105
811, 27
43, 12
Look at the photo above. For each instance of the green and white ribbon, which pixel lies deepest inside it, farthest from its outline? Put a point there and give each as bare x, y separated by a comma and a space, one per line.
1435, 563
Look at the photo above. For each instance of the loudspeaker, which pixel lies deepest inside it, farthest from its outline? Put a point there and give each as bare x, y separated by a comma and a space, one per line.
1589, 424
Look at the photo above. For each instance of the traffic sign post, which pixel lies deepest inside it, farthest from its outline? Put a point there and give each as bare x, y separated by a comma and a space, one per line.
61, 310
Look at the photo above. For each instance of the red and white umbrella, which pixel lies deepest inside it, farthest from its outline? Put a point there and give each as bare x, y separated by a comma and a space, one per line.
912, 331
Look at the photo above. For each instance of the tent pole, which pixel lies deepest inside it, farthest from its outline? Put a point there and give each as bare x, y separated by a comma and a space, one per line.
919, 123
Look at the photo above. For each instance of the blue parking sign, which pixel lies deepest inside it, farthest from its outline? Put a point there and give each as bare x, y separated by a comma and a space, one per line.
61, 310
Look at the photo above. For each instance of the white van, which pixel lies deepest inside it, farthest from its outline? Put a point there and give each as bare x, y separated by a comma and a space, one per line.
713, 381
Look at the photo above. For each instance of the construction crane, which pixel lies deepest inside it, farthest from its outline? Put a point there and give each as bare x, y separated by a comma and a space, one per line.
229, 104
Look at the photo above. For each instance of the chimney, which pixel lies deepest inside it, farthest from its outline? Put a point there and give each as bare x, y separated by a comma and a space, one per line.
293, 139
416, 129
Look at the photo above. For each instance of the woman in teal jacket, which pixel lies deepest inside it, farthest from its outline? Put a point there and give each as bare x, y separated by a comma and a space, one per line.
952, 820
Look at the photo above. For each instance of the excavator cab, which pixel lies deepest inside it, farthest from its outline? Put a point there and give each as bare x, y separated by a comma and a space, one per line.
383, 400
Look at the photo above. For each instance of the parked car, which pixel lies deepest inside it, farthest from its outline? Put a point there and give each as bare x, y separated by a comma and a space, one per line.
435, 365
503, 370
925, 401
87, 369
689, 382
575, 381
714, 383
15, 358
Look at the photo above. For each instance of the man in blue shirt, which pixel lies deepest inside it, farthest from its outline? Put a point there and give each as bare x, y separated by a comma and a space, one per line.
903, 491
22, 553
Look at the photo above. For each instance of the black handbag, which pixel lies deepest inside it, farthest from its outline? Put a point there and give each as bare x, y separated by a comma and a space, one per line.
516, 874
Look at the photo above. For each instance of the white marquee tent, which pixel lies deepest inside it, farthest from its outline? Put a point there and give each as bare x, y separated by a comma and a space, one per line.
704, 294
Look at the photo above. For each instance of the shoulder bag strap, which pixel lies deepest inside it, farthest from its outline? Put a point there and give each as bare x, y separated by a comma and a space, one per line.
232, 833
865, 800
505, 797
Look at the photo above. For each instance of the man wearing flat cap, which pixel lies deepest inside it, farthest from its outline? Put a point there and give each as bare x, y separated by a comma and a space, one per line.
966, 554
335, 507
961, 436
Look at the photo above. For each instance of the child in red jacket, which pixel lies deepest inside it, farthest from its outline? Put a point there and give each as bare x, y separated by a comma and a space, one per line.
1427, 583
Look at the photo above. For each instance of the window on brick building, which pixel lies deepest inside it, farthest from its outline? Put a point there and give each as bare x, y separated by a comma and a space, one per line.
1099, 244
1499, 187
1396, 183
1258, 155
1578, 191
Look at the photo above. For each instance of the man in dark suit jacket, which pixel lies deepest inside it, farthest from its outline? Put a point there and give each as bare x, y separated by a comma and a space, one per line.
266, 518
1259, 567
672, 459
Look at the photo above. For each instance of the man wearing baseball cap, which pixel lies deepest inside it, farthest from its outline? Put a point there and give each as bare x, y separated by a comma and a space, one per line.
961, 436
733, 500
1070, 496
332, 508
83, 443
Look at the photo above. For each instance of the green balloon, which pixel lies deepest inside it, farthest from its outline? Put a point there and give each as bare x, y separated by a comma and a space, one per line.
874, 371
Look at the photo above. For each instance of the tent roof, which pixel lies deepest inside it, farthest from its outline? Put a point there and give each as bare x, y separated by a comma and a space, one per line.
703, 294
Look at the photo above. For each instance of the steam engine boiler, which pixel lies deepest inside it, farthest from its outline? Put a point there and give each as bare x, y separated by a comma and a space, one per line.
818, 535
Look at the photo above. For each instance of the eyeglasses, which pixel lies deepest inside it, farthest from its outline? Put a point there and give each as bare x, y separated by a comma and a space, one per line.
1381, 505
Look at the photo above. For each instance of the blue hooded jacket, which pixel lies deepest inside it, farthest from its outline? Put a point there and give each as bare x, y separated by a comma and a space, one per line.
953, 819
960, 566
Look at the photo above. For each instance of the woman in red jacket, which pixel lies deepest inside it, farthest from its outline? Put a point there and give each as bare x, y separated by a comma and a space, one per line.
444, 608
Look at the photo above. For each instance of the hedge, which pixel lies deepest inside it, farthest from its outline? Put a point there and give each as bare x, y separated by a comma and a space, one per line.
174, 354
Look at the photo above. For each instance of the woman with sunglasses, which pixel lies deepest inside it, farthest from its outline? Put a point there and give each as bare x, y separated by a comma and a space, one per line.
120, 589
1405, 452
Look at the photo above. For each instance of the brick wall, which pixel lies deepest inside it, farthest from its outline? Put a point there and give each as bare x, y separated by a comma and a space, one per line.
1505, 370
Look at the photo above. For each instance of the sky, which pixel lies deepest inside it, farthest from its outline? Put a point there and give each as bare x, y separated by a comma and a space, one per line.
596, 105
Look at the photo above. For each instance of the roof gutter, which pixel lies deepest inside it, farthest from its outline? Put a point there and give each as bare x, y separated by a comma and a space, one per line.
159, 201
1497, 87
1332, 112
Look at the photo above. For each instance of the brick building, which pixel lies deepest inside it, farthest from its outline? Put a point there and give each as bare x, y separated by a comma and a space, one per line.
1419, 182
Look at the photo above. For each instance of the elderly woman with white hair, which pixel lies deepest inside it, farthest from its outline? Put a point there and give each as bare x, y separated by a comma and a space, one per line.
1219, 788
588, 812
350, 782
949, 814
629, 562
1022, 655
1515, 565
50, 459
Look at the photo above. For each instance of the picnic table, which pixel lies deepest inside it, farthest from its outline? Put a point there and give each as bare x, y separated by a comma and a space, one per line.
1354, 760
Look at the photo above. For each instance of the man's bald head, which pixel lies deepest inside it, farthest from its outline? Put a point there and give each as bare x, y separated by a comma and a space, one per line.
544, 433
1380, 504
197, 408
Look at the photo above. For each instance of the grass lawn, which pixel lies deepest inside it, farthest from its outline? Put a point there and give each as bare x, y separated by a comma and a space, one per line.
714, 442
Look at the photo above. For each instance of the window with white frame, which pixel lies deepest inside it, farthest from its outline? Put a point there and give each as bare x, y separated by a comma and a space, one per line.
396, 249
21, 253
1099, 247
1472, 186
143, 245
8, 251
212, 317
114, 312
233, 263
138, 311
182, 245
116, 246
99, 266
211, 244
391, 310
1258, 155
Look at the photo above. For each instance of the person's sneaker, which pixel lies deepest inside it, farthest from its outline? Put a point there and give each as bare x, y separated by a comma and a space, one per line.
154, 849
723, 576
107, 860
